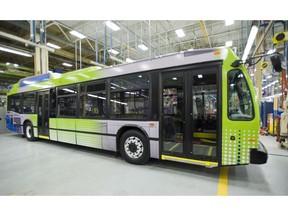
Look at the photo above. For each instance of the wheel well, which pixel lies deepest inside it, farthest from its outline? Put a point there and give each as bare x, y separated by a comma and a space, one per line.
123, 129
24, 123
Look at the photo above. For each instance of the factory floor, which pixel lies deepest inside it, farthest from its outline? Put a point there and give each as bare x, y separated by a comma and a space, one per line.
49, 168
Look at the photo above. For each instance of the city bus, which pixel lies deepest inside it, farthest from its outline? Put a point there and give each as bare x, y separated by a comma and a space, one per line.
193, 107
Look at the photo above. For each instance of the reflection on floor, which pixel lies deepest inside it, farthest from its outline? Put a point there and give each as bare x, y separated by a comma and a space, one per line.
173, 147
198, 148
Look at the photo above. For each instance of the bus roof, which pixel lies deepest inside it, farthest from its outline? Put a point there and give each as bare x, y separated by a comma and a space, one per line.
49, 80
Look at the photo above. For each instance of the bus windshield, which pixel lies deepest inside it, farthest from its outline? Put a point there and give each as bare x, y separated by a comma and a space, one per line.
239, 97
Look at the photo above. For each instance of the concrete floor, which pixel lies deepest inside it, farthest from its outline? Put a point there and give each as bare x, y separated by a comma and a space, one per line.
50, 168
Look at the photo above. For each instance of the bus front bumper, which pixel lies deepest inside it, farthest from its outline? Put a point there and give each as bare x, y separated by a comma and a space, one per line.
259, 156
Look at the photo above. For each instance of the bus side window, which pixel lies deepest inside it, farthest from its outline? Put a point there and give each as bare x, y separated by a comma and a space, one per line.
130, 96
93, 100
67, 101
52, 103
28, 103
240, 106
14, 103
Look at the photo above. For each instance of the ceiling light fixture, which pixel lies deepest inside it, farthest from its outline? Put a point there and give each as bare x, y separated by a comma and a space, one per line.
250, 42
112, 25
115, 52
180, 33
77, 34
16, 65
228, 43
271, 51
22, 53
200, 76
143, 47
53, 45
129, 60
68, 65
229, 22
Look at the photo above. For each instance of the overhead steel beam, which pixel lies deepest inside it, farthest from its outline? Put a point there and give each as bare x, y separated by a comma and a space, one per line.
13, 37
271, 23
204, 31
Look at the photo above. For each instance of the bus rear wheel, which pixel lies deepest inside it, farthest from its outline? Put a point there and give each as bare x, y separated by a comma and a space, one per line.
134, 147
29, 132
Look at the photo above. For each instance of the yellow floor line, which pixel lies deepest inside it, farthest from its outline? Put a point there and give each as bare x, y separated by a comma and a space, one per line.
173, 147
223, 182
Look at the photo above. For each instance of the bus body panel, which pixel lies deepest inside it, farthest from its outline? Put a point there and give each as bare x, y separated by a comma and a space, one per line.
237, 137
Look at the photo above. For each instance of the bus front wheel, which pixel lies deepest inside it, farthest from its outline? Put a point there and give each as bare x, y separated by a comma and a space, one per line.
29, 132
134, 147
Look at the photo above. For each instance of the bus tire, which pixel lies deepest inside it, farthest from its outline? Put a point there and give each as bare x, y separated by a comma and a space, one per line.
134, 147
29, 132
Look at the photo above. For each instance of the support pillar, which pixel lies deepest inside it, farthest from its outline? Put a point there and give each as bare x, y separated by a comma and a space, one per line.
41, 62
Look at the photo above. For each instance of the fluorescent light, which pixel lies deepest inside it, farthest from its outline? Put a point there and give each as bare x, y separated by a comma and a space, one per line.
77, 34
200, 76
16, 65
68, 65
271, 51
228, 43
129, 60
229, 22
7, 63
115, 52
250, 42
174, 78
53, 45
143, 47
180, 33
112, 25
69, 90
15, 51
140, 76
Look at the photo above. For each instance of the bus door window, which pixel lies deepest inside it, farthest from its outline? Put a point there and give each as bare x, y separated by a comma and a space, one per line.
204, 105
173, 112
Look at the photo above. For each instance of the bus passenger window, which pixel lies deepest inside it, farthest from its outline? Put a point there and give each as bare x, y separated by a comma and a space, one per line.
130, 96
28, 103
240, 106
93, 100
67, 101
14, 103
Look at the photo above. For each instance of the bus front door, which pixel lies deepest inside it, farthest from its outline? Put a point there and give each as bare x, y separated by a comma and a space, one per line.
190, 115
43, 114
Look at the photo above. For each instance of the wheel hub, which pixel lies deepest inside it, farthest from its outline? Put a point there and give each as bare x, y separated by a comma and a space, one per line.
133, 147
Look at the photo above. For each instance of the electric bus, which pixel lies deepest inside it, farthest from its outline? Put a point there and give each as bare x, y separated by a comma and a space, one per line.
192, 107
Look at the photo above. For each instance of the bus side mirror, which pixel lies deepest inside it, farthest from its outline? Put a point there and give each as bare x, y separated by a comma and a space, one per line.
278, 62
